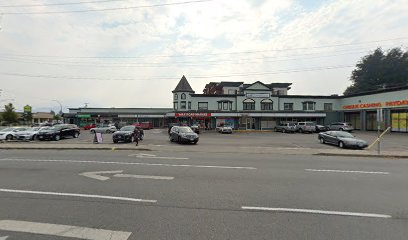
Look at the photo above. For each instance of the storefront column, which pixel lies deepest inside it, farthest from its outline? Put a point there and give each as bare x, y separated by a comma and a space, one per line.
363, 117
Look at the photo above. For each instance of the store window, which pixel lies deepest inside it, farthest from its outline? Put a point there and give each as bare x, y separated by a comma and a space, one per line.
266, 104
230, 105
288, 106
203, 106
175, 105
175, 96
225, 105
328, 107
309, 106
249, 104
219, 105
189, 105
183, 105
231, 91
183, 96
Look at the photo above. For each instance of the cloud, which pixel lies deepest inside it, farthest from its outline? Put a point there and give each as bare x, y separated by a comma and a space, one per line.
195, 35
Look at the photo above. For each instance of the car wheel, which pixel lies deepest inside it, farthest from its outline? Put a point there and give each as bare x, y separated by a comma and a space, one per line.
300, 130
76, 135
171, 139
34, 137
108, 131
9, 137
283, 130
57, 137
322, 140
341, 129
92, 131
341, 144
115, 141
179, 139
195, 142
132, 139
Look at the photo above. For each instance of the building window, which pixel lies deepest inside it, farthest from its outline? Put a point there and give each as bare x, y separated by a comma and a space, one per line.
183, 105
230, 105
219, 105
249, 104
175, 96
328, 107
203, 106
288, 106
189, 105
231, 91
225, 105
308, 106
183, 96
175, 105
266, 104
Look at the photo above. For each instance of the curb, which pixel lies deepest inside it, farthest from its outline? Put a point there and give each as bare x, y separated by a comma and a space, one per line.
253, 131
75, 148
361, 155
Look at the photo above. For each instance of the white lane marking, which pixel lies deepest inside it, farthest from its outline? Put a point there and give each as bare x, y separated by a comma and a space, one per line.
143, 176
77, 195
63, 230
127, 163
97, 176
295, 210
152, 156
343, 171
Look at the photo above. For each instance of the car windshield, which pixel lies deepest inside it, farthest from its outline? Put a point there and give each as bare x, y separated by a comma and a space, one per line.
185, 130
7, 130
127, 128
344, 135
33, 129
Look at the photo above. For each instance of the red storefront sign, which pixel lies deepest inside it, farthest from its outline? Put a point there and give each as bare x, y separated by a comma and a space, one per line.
192, 114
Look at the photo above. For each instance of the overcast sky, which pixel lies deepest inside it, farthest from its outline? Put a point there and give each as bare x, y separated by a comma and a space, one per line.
134, 57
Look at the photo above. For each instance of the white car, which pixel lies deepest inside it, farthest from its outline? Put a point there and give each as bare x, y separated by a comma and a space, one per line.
9, 133
224, 129
104, 129
28, 134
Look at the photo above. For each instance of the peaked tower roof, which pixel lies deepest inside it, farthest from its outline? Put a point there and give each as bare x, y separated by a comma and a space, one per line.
183, 86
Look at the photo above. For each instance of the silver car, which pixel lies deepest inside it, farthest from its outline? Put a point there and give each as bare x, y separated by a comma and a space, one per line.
28, 134
104, 129
286, 127
306, 127
341, 126
9, 133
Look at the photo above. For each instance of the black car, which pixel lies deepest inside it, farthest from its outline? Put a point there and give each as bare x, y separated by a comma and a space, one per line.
125, 134
321, 128
183, 134
171, 125
341, 139
58, 132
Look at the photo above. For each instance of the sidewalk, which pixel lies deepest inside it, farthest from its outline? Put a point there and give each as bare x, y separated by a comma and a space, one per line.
204, 149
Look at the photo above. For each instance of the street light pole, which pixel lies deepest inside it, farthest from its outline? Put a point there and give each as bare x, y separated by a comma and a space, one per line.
59, 104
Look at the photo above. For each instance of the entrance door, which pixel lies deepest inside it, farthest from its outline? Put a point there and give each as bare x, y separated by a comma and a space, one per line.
250, 123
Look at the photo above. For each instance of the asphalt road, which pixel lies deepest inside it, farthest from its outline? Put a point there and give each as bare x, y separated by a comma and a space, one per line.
187, 195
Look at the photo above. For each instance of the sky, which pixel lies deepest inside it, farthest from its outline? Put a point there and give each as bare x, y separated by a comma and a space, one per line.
132, 53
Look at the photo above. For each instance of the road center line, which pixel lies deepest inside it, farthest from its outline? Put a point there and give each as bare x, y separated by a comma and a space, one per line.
63, 230
127, 163
312, 211
77, 195
344, 171
143, 176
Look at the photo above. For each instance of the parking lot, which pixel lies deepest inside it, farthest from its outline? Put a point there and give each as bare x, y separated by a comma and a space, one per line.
159, 137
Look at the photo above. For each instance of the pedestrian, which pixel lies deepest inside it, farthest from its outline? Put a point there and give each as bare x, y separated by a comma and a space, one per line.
137, 135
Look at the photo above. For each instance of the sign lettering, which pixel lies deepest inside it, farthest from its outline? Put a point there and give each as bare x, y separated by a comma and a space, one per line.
193, 114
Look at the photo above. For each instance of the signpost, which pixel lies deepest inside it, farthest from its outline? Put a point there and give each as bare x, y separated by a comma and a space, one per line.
380, 120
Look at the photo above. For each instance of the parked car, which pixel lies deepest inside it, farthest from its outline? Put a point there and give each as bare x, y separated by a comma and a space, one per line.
321, 128
58, 132
125, 134
183, 134
104, 129
9, 133
225, 129
89, 126
286, 127
306, 127
341, 139
28, 134
341, 126
171, 125
195, 128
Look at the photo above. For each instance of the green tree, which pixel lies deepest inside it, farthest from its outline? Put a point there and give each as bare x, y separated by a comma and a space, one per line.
28, 117
379, 70
9, 115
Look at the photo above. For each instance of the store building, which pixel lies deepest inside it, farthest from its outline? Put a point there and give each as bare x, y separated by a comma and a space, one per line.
259, 106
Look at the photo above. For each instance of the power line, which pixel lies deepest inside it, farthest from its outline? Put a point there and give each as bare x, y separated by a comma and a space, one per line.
169, 78
58, 4
209, 54
108, 9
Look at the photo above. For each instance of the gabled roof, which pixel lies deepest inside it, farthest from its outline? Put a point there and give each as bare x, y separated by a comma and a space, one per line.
183, 86
230, 84
257, 82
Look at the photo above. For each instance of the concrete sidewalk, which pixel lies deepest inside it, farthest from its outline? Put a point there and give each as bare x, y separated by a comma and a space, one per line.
205, 149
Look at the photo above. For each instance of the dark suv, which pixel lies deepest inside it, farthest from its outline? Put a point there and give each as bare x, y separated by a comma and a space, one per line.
58, 132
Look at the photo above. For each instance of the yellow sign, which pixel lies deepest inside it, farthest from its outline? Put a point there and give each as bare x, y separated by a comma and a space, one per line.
403, 121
